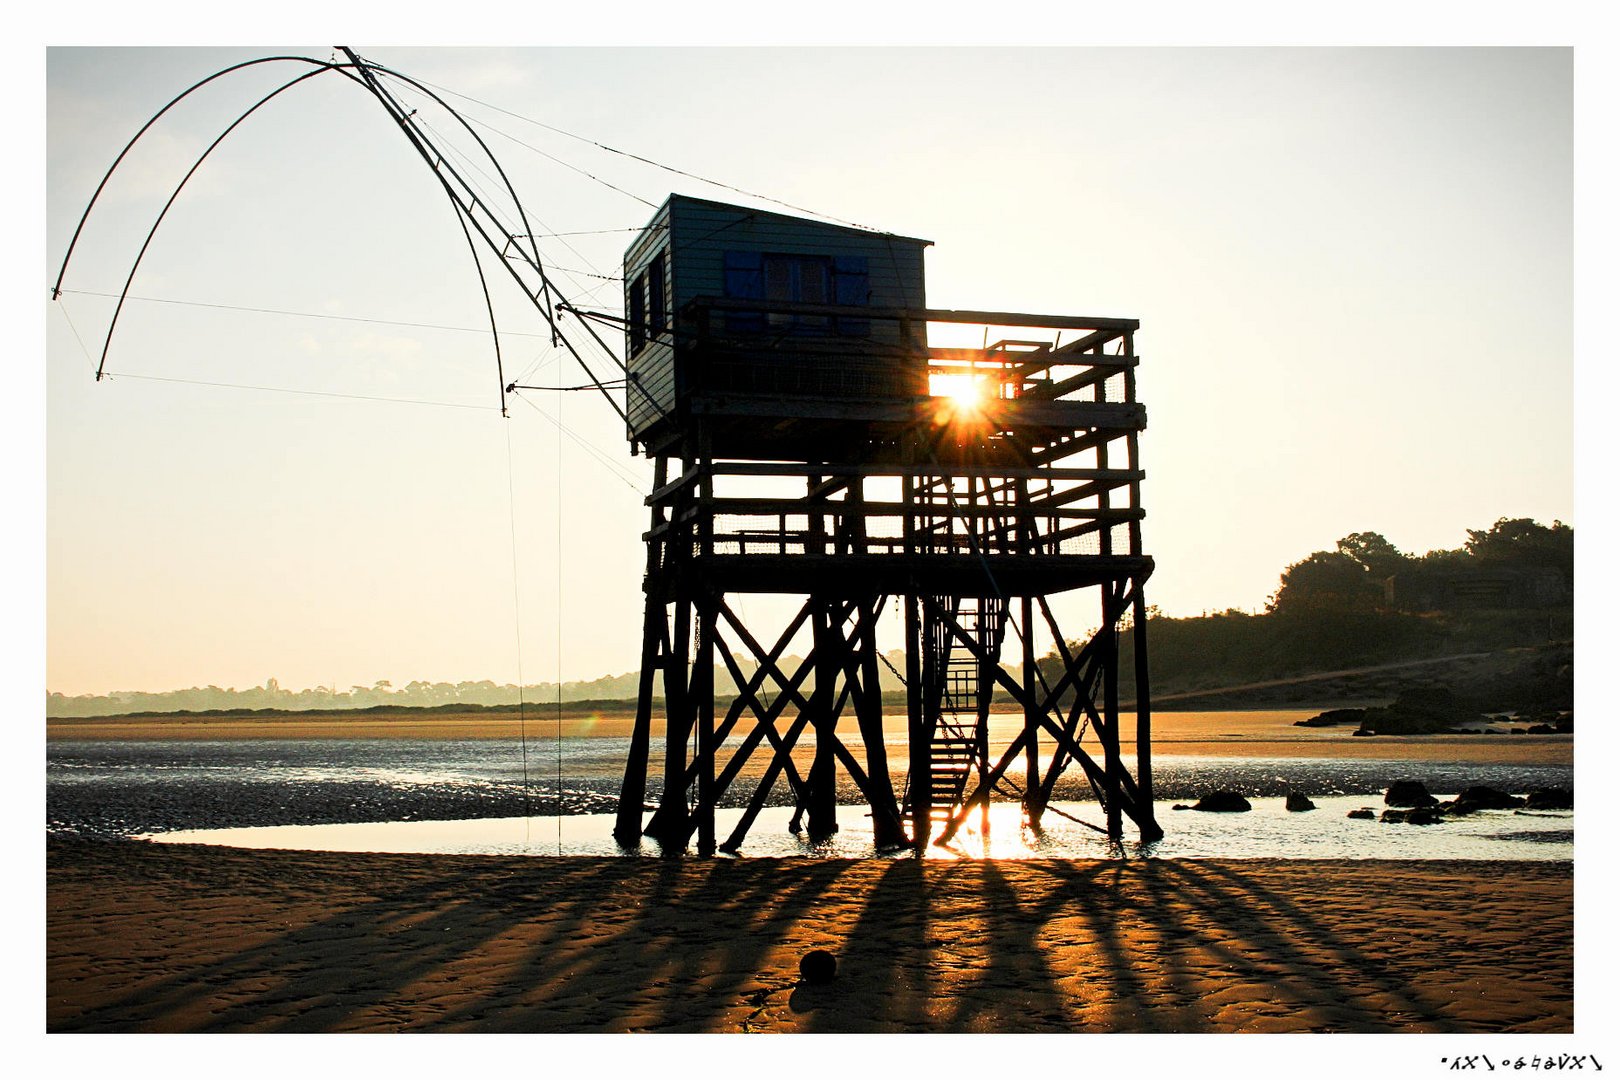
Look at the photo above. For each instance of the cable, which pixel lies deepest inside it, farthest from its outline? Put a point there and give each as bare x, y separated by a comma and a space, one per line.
561, 532
615, 384
643, 160
593, 232
588, 448
564, 164
82, 347
307, 393
302, 314
517, 624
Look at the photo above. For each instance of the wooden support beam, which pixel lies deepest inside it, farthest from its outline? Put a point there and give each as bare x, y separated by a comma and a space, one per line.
823, 785
940, 468
1084, 491
1112, 768
703, 691
887, 830
997, 414
1033, 806
1064, 354
762, 790
669, 821
633, 788
789, 693
756, 507
764, 728
1121, 795
1144, 725
663, 491
945, 315
1091, 376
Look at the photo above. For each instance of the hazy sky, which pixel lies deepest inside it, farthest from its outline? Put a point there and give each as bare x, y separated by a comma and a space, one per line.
1353, 270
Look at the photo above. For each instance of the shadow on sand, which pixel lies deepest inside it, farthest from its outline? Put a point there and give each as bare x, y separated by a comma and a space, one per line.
491, 944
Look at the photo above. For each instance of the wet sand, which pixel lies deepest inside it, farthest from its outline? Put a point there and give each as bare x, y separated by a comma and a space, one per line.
145, 937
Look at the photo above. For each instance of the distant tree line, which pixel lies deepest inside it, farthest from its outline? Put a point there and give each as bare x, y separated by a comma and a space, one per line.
416, 694
483, 693
1338, 609
1355, 575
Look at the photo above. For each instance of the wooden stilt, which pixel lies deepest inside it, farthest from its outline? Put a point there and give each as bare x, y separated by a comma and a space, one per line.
1109, 729
669, 821
887, 830
1034, 804
703, 691
919, 790
823, 811
1144, 717
654, 638
633, 789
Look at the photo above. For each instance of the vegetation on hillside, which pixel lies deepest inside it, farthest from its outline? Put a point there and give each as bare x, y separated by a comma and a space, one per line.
1332, 611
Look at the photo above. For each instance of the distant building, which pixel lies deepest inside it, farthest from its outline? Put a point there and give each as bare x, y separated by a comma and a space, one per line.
1475, 589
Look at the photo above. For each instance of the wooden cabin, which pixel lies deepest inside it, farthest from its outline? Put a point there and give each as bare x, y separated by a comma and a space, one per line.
747, 316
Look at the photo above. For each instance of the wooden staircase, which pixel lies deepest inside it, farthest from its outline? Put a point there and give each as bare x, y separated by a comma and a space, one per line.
958, 733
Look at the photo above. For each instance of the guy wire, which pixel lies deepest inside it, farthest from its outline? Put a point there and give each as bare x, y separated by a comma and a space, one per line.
517, 624
560, 534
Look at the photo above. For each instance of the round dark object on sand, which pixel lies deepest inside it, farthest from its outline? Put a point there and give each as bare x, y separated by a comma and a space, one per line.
818, 966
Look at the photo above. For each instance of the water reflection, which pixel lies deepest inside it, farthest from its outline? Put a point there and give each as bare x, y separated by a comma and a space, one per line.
1268, 831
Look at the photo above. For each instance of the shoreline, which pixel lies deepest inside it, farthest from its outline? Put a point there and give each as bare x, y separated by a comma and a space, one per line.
1269, 732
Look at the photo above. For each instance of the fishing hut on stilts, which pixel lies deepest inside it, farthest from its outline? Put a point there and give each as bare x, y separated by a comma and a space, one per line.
817, 432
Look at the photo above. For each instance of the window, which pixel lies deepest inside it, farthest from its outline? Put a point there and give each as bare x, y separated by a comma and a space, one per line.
852, 288
798, 279
656, 317
635, 309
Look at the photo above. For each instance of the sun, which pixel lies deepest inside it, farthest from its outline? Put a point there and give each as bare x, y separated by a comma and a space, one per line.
967, 393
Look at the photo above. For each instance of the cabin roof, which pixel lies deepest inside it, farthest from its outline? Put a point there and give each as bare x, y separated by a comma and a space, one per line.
692, 200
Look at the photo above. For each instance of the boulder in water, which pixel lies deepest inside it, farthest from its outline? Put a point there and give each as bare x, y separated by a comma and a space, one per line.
1223, 802
1550, 799
1333, 717
1420, 711
1417, 815
1409, 793
1297, 802
1482, 798
1365, 813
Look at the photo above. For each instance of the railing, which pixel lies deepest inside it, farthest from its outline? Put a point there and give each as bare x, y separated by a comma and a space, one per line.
842, 350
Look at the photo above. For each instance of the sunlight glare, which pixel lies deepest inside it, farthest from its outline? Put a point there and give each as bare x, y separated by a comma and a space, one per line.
963, 391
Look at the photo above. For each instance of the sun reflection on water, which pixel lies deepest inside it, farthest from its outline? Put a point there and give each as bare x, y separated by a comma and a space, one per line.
1069, 831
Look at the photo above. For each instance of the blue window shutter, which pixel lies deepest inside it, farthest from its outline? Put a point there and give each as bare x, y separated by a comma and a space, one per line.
852, 288
745, 280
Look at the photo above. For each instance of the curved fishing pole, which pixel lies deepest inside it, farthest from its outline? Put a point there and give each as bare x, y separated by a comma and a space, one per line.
368, 66
441, 166
56, 290
489, 306
321, 67
124, 293
363, 73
